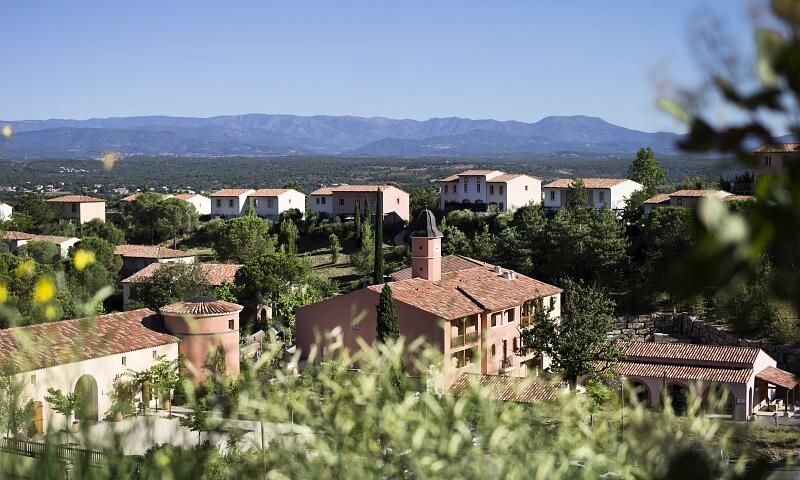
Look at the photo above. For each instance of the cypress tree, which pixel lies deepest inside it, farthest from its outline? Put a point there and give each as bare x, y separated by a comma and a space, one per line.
386, 326
357, 219
378, 276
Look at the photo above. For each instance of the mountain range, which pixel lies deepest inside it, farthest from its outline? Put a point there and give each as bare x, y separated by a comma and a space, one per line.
263, 134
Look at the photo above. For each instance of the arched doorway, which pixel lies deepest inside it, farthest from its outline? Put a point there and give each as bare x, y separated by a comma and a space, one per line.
719, 400
640, 390
86, 389
677, 396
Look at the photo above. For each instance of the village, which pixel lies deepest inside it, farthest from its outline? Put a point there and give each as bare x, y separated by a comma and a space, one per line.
175, 327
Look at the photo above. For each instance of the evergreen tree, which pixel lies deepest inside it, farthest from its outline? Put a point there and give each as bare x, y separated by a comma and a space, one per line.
577, 196
336, 246
646, 170
378, 267
288, 234
386, 326
357, 219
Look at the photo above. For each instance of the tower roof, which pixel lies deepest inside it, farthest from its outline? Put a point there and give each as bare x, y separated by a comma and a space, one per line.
426, 225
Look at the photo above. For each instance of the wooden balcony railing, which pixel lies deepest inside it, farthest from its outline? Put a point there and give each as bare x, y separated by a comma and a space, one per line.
466, 339
525, 322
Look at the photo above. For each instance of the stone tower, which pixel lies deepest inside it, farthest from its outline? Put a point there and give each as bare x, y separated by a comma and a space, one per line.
426, 248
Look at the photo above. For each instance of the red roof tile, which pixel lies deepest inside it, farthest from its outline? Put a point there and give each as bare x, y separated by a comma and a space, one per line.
506, 177
684, 372
270, 192
231, 192
588, 182
451, 178
477, 173
215, 273
660, 198
700, 193
186, 196
149, 251
49, 344
14, 235
202, 307
445, 303
75, 199
450, 263
778, 377
681, 352
323, 191
778, 148
509, 389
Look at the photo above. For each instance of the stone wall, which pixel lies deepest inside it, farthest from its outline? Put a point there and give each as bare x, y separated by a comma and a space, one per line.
702, 331
644, 328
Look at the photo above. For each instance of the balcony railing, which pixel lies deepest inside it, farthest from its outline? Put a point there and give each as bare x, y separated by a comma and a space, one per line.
525, 322
466, 339
506, 364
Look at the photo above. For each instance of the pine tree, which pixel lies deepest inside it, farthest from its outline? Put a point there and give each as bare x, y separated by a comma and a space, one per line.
387, 328
378, 274
357, 219
336, 246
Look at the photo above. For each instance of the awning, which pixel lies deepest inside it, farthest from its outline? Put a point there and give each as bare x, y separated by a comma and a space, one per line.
778, 377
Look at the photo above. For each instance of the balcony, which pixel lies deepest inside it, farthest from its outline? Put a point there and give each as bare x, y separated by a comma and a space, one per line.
506, 365
525, 322
466, 339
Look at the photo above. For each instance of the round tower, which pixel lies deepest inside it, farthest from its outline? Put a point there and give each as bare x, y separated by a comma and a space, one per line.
426, 248
203, 325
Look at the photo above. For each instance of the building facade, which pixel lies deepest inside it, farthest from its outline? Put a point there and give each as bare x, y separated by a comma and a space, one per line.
201, 204
137, 257
18, 239
79, 208
269, 203
341, 201
6, 211
230, 202
775, 158
611, 193
487, 190
690, 199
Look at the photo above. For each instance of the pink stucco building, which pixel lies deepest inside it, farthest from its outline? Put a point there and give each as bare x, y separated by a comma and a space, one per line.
341, 200
472, 311
79, 208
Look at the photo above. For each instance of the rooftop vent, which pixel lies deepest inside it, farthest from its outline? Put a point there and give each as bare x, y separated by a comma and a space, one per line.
509, 274
498, 269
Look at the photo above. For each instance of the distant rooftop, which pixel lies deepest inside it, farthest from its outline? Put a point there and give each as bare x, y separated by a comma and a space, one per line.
778, 148
231, 192
149, 251
75, 199
588, 182
216, 273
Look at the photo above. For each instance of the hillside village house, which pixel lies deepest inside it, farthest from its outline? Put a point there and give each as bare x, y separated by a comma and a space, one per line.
230, 202
111, 346
748, 374
201, 204
269, 203
690, 198
216, 274
340, 200
18, 239
612, 193
470, 310
137, 257
482, 190
773, 158
80, 208
124, 202
6, 211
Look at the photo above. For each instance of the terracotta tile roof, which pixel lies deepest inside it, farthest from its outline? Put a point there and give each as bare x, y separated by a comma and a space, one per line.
186, 196
445, 303
53, 238
589, 182
778, 377
508, 389
778, 148
450, 263
75, 199
493, 291
149, 251
738, 198
478, 173
361, 188
700, 193
451, 178
322, 191
683, 352
202, 307
684, 372
215, 273
14, 235
231, 192
56, 343
660, 198
506, 177
466, 287
270, 192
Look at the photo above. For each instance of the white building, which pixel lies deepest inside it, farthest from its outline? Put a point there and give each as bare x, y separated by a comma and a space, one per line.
271, 202
230, 202
6, 211
110, 346
200, 203
136, 257
484, 190
18, 239
612, 193
690, 199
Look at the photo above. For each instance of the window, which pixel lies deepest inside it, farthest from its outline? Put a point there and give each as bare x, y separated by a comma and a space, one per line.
33, 379
398, 201
767, 161
552, 302
74, 208
494, 351
323, 200
552, 194
324, 352
491, 189
269, 203
502, 206
501, 189
124, 361
526, 188
680, 201
514, 344
155, 354
219, 203
341, 201
512, 315
601, 195
446, 188
230, 324
317, 200
255, 203
462, 358
465, 185
495, 319
230, 203
478, 189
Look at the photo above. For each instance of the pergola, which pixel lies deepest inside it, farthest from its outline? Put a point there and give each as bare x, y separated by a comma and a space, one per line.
775, 377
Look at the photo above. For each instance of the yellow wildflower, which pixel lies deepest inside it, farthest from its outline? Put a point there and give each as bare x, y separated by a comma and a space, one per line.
82, 259
3, 293
25, 268
44, 290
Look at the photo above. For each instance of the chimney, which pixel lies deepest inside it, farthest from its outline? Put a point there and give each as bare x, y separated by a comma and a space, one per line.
509, 274
426, 248
498, 269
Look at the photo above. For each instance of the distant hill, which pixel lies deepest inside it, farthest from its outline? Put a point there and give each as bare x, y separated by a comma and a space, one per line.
260, 134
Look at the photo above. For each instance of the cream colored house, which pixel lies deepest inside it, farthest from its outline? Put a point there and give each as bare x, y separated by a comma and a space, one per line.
612, 193
137, 257
269, 203
341, 200
6, 211
80, 208
201, 204
18, 239
482, 190
773, 158
230, 202
690, 199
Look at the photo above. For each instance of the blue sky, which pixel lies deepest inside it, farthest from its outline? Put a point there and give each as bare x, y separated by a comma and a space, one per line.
409, 59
